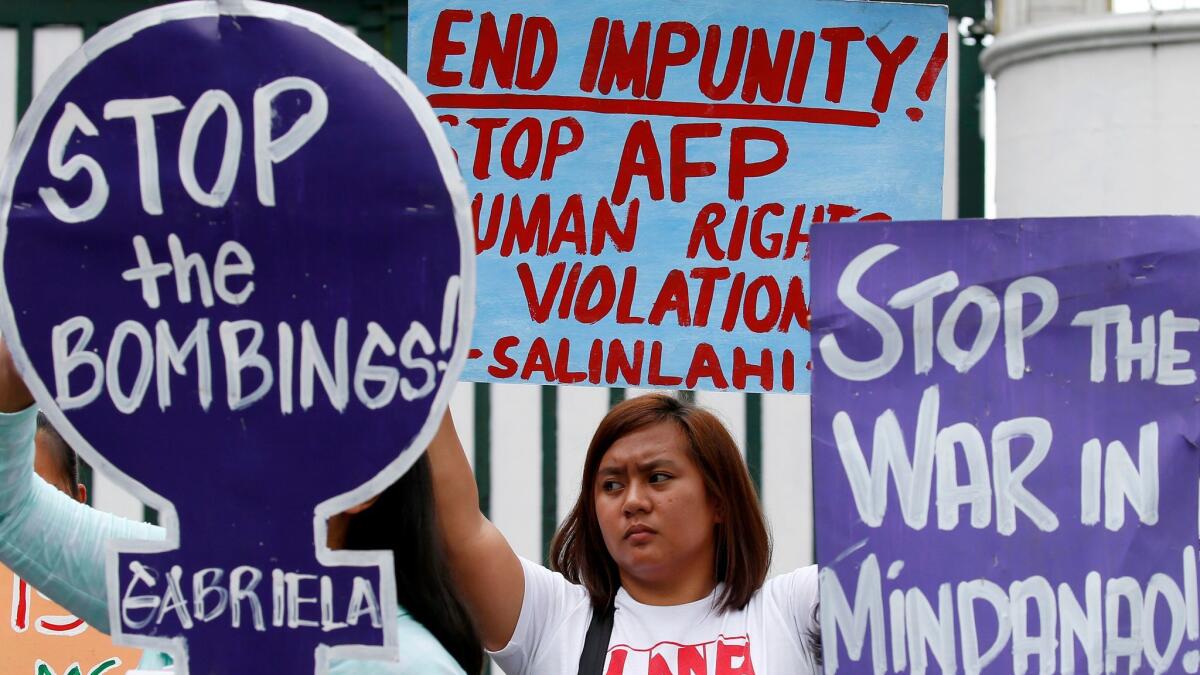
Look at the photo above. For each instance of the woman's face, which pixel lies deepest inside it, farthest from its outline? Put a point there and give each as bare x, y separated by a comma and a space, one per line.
653, 509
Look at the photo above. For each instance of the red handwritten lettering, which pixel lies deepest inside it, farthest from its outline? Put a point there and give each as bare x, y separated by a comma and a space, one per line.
656, 377
801, 65
708, 276
797, 234
625, 313
672, 297
625, 62
443, 47
706, 365
764, 370
538, 361
704, 230
889, 63
760, 289
681, 168
591, 61
541, 303
621, 366
495, 54
570, 228
538, 31
766, 73
505, 366
664, 57
605, 228
639, 157
524, 233
568, 294
839, 212
729, 320
839, 40
525, 133
480, 168
590, 307
740, 169
557, 147
719, 91
795, 307
20, 615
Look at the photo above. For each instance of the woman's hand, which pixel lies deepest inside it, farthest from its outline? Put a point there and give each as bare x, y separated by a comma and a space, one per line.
14, 395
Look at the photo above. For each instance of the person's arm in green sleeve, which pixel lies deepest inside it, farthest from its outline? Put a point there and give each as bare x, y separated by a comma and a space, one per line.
51, 541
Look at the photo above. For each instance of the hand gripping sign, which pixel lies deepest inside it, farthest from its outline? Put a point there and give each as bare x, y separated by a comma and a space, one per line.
232, 268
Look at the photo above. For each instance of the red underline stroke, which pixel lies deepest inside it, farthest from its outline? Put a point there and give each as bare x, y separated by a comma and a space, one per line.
609, 106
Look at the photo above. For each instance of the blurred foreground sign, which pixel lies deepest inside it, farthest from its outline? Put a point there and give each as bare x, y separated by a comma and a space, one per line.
40, 638
234, 246
1005, 440
644, 175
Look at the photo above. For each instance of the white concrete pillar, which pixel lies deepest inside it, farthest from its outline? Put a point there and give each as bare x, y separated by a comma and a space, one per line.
1098, 116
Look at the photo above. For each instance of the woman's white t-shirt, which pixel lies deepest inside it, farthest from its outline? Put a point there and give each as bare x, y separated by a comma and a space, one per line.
765, 638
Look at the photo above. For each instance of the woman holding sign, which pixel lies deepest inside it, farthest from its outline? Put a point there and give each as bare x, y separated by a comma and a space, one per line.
660, 567
58, 544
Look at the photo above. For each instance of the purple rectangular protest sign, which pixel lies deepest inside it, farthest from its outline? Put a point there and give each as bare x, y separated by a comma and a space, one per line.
1004, 438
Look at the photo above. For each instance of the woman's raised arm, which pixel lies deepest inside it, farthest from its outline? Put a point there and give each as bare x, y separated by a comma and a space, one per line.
485, 568
47, 538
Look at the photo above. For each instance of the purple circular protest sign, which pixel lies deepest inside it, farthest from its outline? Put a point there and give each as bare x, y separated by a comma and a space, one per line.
234, 247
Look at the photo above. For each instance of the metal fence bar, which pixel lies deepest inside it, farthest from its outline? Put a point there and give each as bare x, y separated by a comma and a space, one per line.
483, 445
970, 135
615, 396
24, 67
754, 436
549, 467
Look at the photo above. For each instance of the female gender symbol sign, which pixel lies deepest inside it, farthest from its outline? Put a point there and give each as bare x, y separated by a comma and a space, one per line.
234, 246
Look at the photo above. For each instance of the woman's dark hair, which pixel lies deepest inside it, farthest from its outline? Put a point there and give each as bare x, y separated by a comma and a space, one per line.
743, 549
812, 640
403, 521
68, 461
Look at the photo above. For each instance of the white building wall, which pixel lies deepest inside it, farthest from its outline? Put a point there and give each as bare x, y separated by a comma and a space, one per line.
1015, 14
580, 410
8, 87
1096, 116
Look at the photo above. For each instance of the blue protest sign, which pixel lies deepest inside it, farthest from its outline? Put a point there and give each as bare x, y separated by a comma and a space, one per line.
1004, 441
644, 175
237, 271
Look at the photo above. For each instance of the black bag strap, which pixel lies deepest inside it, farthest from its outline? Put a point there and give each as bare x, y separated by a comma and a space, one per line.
595, 644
